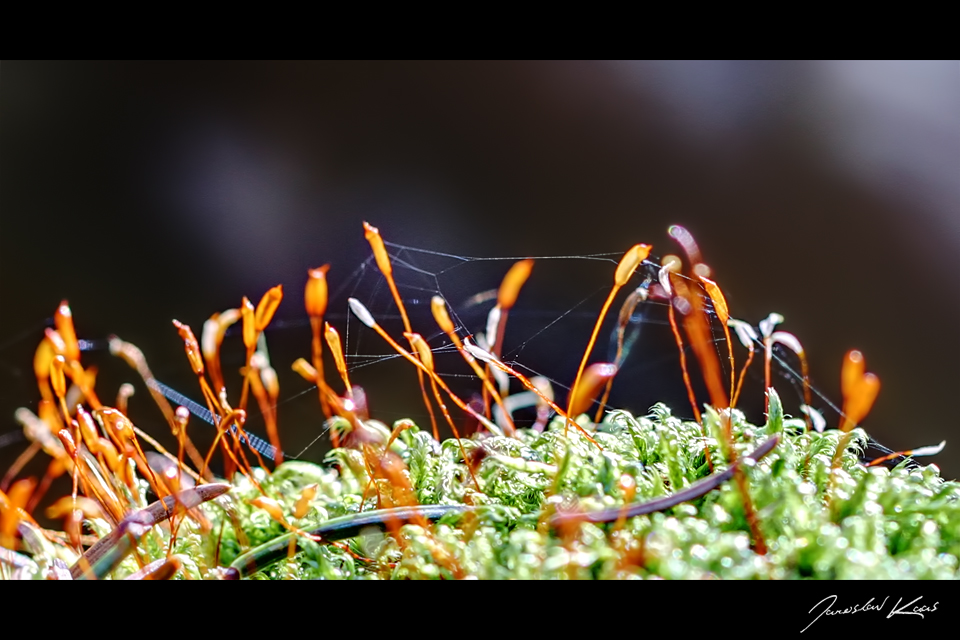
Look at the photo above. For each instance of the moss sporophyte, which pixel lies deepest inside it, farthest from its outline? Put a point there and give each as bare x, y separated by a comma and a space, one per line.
580, 492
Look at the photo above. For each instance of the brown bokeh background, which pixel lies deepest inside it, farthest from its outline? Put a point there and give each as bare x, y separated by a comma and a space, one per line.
826, 191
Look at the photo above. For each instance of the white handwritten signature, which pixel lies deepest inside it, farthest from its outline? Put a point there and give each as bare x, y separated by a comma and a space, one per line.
907, 609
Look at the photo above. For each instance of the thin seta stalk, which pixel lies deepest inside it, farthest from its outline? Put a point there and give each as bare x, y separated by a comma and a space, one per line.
628, 264
486, 356
507, 294
439, 308
135, 358
636, 297
372, 234
426, 357
224, 417
367, 319
696, 324
315, 301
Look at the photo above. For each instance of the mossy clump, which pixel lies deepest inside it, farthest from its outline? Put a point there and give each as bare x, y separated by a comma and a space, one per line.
867, 523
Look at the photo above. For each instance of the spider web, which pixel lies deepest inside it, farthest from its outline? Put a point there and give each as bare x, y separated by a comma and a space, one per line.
546, 334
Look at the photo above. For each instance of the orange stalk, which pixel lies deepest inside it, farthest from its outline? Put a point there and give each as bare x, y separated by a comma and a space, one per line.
250, 334
747, 336
626, 311
723, 315
215, 405
790, 341
315, 301
211, 338
485, 356
698, 330
628, 264
439, 308
426, 357
683, 366
497, 319
507, 298
696, 324
134, 357
372, 234
364, 315
263, 384
19, 463
233, 417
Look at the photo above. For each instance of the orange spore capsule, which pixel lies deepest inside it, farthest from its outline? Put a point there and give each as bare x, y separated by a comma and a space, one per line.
423, 350
117, 426
723, 314
512, 283
392, 468
595, 377
859, 390
67, 441
315, 294
57, 379
303, 502
718, 299
859, 393
268, 306
629, 263
63, 321
190, 346
336, 348
852, 372
65, 506
372, 234
305, 370
41, 361
866, 395
109, 453
271, 506
88, 430
11, 510
21, 491
439, 308
249, 324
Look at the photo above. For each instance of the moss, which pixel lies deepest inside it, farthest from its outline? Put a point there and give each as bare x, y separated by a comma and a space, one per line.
872, 523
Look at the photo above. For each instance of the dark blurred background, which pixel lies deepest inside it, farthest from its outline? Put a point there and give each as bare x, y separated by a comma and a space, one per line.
826, 191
